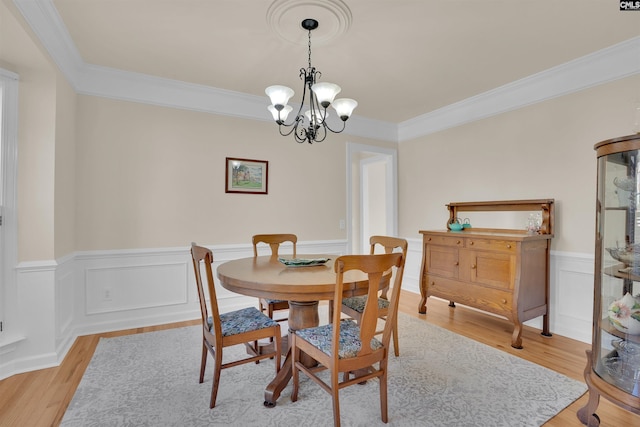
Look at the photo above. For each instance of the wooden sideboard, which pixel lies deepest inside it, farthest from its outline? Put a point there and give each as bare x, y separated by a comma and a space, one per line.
502, 271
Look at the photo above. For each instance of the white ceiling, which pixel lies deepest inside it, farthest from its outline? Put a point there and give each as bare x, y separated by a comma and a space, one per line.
399, 59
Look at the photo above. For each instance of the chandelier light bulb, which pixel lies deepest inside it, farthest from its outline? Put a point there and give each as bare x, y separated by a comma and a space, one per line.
319, 117
325, 92
344, 107
279, 95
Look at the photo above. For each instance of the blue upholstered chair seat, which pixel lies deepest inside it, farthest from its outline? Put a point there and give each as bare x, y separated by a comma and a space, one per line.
358, 303
350, 344
274, 301
244, 320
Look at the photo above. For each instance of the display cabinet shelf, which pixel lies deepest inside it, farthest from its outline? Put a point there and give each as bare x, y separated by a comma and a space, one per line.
606, 327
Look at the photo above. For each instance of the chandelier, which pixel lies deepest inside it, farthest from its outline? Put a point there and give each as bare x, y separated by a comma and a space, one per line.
311, 125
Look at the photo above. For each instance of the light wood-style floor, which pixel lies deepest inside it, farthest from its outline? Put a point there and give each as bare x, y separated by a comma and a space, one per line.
40, 398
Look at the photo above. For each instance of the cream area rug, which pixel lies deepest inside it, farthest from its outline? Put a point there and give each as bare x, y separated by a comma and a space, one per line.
440, 379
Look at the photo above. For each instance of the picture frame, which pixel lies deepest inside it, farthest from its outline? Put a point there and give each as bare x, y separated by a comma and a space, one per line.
248, 176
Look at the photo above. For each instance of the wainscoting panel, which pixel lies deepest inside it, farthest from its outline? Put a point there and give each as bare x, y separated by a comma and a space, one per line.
37, 319
93, 292
112, 289
411, 277
65, 303
134, 288
572, 295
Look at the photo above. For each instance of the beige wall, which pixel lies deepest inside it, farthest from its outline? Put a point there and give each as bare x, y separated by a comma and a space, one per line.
541, 151
65, 170
99, 174
151, 176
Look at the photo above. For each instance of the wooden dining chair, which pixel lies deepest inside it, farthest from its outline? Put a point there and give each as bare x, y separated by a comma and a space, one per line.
274, 241
219, 330
344, 345
354, 306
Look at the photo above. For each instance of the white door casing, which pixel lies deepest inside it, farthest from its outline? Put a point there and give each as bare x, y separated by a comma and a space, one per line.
360, 157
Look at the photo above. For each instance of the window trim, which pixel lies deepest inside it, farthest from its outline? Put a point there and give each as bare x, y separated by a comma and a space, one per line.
9, 82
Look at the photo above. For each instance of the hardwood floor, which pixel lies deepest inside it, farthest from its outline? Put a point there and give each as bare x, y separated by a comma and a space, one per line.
40, 398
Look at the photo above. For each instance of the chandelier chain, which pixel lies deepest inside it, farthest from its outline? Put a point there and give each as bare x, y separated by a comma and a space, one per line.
309, 49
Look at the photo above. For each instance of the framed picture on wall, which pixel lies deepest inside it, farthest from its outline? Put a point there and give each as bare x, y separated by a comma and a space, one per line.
246, 176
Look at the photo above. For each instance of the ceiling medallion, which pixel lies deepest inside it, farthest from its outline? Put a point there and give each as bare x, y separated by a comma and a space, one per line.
284, 17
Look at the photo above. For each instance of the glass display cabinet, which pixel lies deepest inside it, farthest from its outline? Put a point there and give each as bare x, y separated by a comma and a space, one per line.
613, 363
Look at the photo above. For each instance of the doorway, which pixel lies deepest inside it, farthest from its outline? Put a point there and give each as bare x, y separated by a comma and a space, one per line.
372, 194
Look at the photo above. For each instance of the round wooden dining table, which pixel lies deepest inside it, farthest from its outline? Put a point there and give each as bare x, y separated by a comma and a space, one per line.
303, 287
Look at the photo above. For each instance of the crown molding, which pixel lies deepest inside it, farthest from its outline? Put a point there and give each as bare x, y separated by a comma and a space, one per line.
616, 62
606, 65
123, 85
45, 21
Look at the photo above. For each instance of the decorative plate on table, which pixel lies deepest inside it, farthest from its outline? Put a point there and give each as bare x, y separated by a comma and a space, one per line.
303, 262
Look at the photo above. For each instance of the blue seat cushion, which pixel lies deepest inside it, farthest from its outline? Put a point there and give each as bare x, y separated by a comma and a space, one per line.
358, 303
350, 344
243, 320
273, 301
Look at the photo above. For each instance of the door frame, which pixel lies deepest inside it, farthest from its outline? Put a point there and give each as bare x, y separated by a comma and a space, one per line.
388, 155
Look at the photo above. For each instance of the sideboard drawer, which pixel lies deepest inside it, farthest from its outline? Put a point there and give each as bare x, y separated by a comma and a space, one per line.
444, 240
488, 299
492, 245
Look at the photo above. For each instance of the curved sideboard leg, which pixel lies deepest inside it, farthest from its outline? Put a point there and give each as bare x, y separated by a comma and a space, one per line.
422, 283
516, 337
422, 306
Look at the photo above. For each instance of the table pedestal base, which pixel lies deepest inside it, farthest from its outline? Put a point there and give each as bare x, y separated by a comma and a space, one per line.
301, 315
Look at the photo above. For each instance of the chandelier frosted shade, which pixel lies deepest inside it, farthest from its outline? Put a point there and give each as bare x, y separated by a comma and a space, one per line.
280, 116
344, 107
325, 92
279, 95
